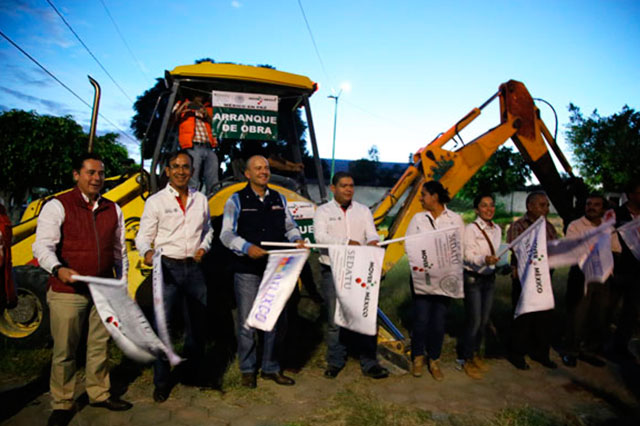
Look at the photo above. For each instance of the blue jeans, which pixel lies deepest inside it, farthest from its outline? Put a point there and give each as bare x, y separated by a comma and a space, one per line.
427, 335
184, 289
205, 160
336, 337
478, 299
246, 289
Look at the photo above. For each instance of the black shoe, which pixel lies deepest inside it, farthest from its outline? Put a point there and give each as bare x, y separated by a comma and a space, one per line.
569, 360
113, 404
519, 362
160, 394
546, 363
592, 359
248, 380
60, 418
279, 378
332, 372
377, 372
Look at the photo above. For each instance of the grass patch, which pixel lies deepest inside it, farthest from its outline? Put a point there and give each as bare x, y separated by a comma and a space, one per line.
525, 416
232, 386
354, 407
361, 408
24, 363
395, 294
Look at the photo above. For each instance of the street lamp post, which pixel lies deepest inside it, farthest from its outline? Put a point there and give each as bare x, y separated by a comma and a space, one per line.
335, 122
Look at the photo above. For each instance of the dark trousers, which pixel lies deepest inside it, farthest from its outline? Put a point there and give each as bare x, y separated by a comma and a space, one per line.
478, 300
185, 291
586, 314
530, 333
427, 334
338, 338
624, 307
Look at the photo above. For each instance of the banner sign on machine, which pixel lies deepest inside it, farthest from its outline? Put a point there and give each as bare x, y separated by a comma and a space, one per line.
245, 115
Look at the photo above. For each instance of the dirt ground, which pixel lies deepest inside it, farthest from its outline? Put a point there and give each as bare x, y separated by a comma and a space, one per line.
585, 395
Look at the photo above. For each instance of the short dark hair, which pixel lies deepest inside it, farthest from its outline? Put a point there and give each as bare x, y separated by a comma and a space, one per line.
174, 155
435, 187
478, 199
78, 161
339, 175
598, 195
533, 195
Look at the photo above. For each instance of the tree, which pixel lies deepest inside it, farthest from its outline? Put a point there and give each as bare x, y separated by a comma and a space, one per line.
147, 113
365, 170
607, 148
374, 154
506, 171
38, 150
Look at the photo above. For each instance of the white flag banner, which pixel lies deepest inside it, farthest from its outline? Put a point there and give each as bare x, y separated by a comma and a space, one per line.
435, 259
159, 308
598, 264
356, 274
630, 233
279, 280
533, 270
123, 319
573, 251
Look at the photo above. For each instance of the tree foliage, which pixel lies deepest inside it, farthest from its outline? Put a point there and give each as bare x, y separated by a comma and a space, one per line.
38, 150
506, 171
371, 172
148, 114
607, 148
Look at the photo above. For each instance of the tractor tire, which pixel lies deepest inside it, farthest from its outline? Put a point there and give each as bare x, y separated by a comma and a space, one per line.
27, 325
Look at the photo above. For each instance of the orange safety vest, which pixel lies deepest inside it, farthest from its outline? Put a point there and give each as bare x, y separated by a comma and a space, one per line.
187, 127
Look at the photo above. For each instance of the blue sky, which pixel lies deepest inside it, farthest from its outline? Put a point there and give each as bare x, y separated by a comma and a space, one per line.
414, 67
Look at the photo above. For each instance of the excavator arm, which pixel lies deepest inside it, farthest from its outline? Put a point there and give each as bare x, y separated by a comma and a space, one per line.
519, 121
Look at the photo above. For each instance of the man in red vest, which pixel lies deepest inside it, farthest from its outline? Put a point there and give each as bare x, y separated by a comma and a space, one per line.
80, 233
195, 136
8, 298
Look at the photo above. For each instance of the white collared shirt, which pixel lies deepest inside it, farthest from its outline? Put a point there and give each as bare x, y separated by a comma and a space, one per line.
178, 233
333, 225
424, 222
476, 248
48, 234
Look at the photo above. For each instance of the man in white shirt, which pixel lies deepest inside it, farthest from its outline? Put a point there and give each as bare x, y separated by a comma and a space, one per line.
176, 220
344, 221
585, 307
79, 233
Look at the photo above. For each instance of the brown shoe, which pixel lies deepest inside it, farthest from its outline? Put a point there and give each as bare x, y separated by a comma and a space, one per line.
480, 364
279, 378
472, 371
417, 366
434, 369
248, 380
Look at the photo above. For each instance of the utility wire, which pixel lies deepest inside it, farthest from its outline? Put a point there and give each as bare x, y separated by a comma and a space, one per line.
89, 50
64, 85
313, 41
135, 60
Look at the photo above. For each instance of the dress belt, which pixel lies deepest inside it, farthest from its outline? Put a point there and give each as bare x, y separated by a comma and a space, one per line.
185, 260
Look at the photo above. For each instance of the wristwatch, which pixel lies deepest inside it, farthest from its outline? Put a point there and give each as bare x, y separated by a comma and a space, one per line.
54, 271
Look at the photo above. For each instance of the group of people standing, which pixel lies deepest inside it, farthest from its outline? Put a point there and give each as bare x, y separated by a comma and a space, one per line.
82, 233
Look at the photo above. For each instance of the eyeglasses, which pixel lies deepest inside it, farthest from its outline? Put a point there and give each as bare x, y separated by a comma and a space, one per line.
180, 167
